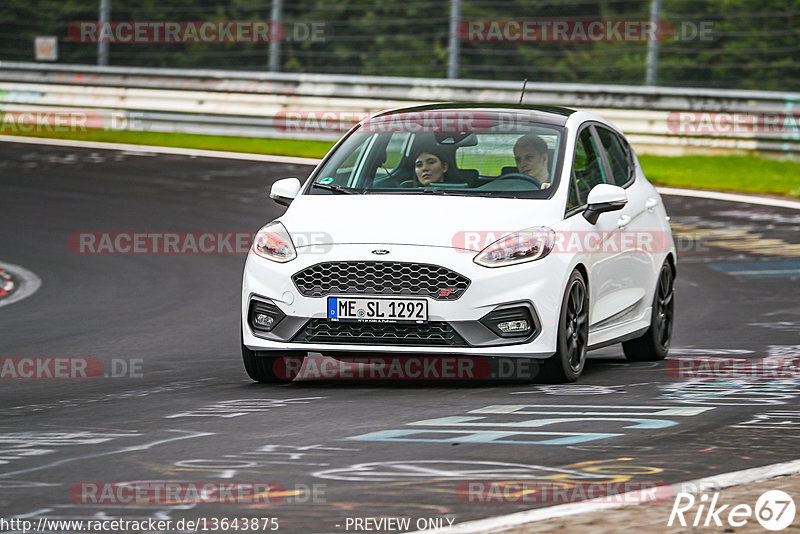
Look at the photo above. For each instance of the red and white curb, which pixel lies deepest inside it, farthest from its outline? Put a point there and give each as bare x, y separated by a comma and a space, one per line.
16, 283
6, 283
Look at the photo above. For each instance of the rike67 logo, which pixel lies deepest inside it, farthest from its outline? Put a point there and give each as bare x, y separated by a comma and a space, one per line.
774, 510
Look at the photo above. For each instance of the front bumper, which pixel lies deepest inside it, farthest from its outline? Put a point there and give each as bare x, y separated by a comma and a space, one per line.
453, 326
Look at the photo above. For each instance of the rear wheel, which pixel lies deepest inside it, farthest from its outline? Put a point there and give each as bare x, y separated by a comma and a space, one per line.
271, 367
573, 333
654, 343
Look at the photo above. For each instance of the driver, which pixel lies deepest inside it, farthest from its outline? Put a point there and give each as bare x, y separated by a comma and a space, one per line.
430, 166
530, 153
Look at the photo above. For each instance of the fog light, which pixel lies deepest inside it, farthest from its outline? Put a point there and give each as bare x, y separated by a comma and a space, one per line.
511, 321
264, 320
264, 315
514, 327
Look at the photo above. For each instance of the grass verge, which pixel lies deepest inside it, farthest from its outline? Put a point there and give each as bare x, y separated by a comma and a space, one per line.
252, 145
745, 174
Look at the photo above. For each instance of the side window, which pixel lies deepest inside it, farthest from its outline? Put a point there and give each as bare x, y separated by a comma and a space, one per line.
395, 150
616, 155
346, 172
587, 166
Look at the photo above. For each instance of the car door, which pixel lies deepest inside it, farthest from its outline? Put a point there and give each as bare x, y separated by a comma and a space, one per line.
615, 272
635, 230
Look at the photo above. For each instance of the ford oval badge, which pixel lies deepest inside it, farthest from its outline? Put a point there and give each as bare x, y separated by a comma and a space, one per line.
380, 252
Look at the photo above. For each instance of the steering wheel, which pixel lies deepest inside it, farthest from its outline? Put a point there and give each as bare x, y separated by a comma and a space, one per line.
519, 176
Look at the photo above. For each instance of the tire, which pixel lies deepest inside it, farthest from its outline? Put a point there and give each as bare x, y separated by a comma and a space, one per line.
653, 345
566, 365
267, 368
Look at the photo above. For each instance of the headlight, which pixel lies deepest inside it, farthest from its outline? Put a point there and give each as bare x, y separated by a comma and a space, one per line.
273, 242
519, 247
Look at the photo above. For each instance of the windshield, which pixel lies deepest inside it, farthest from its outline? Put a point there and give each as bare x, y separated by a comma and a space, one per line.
453, 152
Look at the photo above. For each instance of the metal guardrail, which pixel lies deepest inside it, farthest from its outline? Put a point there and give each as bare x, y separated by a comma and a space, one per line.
248, 103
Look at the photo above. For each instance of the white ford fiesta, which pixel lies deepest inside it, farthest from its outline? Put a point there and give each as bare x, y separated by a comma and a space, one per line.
510, 232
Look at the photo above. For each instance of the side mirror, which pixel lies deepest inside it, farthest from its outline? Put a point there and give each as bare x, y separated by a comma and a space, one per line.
285, 190
603, 198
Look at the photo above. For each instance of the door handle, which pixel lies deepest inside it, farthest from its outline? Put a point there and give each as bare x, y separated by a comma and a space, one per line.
623, 221
651, 204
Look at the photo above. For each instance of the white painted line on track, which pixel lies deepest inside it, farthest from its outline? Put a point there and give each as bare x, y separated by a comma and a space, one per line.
715, 482
732, 197
27, 283
149, 149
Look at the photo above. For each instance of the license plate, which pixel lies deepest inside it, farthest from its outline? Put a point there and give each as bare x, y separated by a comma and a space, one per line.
378, 310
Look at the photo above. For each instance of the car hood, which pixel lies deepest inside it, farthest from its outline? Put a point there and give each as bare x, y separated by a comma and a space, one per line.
469, 223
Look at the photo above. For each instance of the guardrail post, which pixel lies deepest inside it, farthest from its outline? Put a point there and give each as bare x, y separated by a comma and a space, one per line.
274, 43
102, 46
651, 77
455, 49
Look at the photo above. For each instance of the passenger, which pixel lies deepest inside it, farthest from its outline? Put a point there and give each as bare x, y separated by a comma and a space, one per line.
429, 167
530, 153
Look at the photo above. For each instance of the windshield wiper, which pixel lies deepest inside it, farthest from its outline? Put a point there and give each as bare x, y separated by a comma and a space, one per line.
471, 193
335, 188
435, 191
458, 192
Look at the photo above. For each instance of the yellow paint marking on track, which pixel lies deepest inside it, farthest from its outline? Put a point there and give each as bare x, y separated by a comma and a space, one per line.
772, 271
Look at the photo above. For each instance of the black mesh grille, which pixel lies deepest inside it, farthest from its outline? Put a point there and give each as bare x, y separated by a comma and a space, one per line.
380, 278
435, 333
257, 306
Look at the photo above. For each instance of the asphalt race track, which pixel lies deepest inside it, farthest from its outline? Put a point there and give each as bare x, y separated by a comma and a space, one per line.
176, 405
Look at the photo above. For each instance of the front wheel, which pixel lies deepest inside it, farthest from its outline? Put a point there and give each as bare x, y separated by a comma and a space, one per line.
573, 333
272, 367
653, 345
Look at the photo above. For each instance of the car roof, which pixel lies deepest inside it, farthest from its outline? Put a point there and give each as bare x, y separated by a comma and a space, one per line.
546, 114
